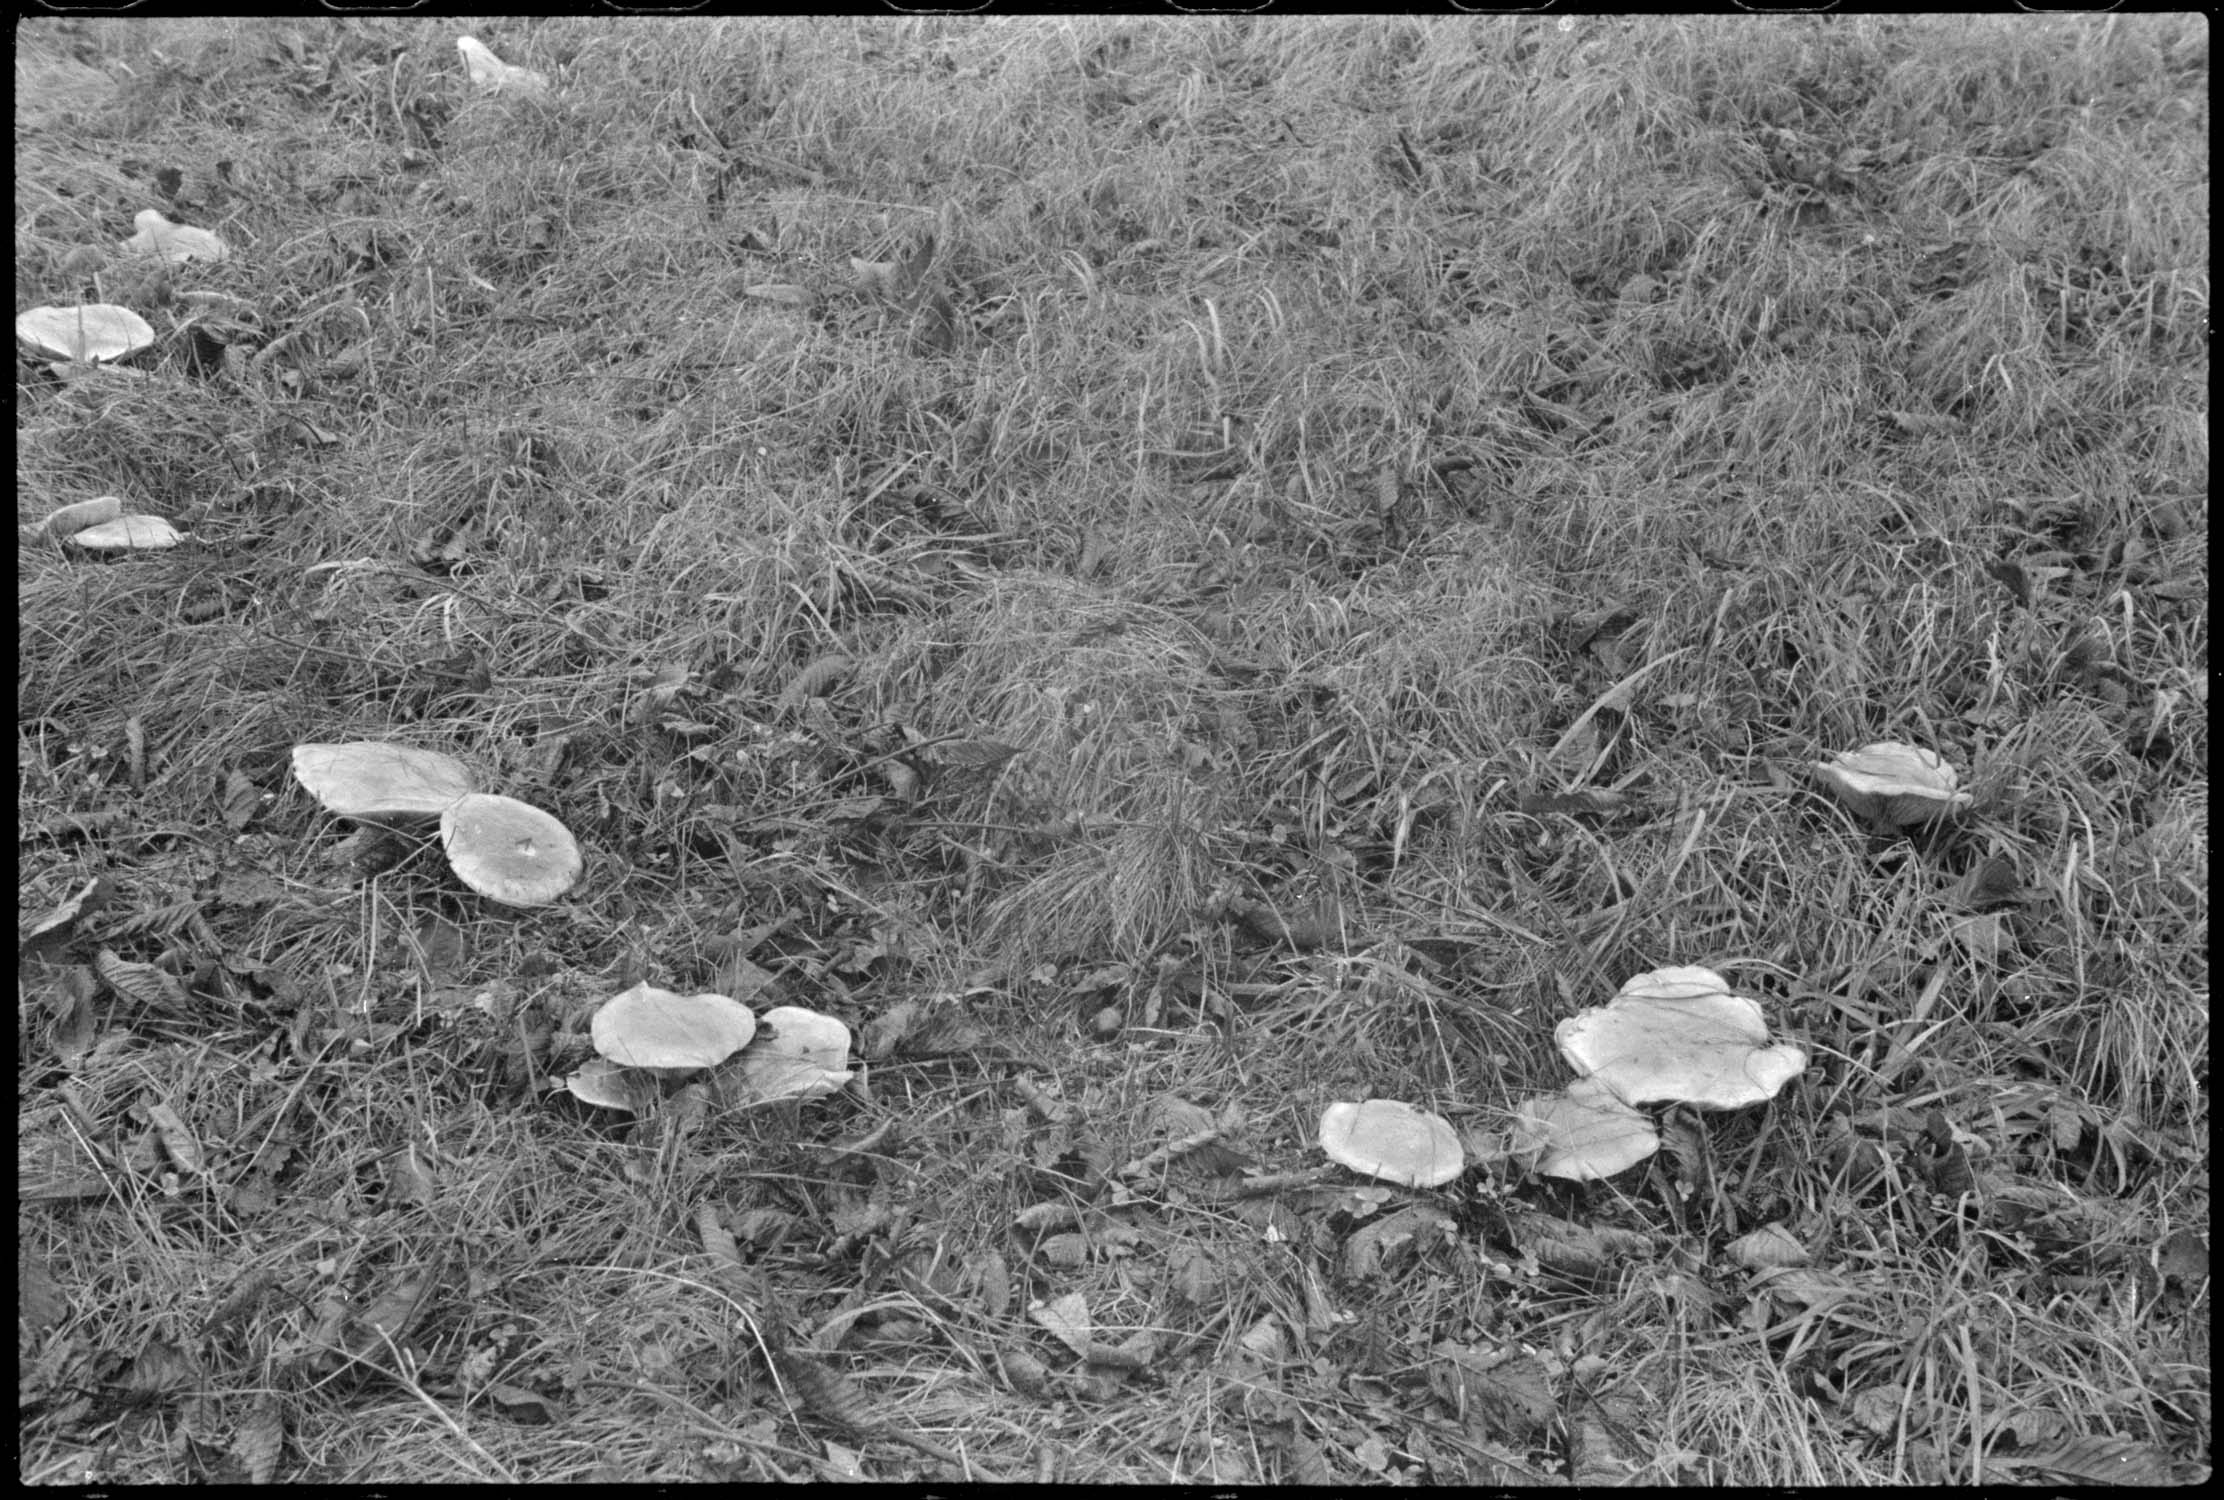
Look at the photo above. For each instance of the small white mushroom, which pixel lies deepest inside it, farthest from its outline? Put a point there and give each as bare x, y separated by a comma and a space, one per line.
1584, 1134
1393, 1142
1902, 785
128, 534
797, 1054
163, 240
93, 331
494, 75
647, 1027
1678, 1034
509, 850
68, 520
607, 1085
369, 781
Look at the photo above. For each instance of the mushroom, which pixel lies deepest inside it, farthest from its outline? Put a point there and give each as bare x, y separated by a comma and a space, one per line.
509, 850
160, 238
1583, 1134
797, 1054
93, 331
127, 534
71, 519
645, 1027
1679, 1034
1900, 785
502, 848
494, 75
1392, 1142
372, 782
607, 1085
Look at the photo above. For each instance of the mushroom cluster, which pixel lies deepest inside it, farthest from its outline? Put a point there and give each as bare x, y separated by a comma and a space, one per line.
1675, 1035
100, 525
506, 850
646, 1036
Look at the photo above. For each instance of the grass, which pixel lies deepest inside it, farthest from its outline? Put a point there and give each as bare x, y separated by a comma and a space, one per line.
1132, 662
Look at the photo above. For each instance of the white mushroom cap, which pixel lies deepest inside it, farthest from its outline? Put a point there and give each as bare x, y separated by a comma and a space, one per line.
366, 779
1679, 1034
160, 238
128, 534
646, 1027
1393, 1142
1902, 784
509, 850
1584, 1134
797, 1054
605, 1084
71, 519
489, 72
96, 330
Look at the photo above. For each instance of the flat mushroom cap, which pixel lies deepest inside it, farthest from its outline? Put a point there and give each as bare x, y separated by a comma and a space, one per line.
367, 779
158, 237
1393, 1142
1678, 1034
798, 1054
646, 1027
509, 850
94, 331
71, 519
603, 1083
1585, 1134
1902, 784
127, 534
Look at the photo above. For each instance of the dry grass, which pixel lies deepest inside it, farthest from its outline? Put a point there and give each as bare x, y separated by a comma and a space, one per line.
1314, 446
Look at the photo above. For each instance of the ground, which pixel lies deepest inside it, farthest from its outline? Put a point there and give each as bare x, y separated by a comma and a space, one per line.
1169, 573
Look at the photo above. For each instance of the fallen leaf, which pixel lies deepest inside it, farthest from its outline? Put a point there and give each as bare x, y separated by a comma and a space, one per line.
1067, 1320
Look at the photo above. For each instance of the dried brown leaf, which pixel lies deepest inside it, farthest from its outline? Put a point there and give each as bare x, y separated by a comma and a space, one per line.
527, 1408
242, 800
911, 271
992, 1282
143, 984
1192, 1276
1304, 1462
1045, 1216
715, 1237
39, 1299
977, 754
259, 1440
1581, 1249
934, 329
239, 1301
1769, 1245
1067, 1320
1506, 1395
177, 1137
1378, 1245
2094, 1460
441, 947
875, 278
816, 678
816, 1389
395, 1312
57, 924
782, 293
